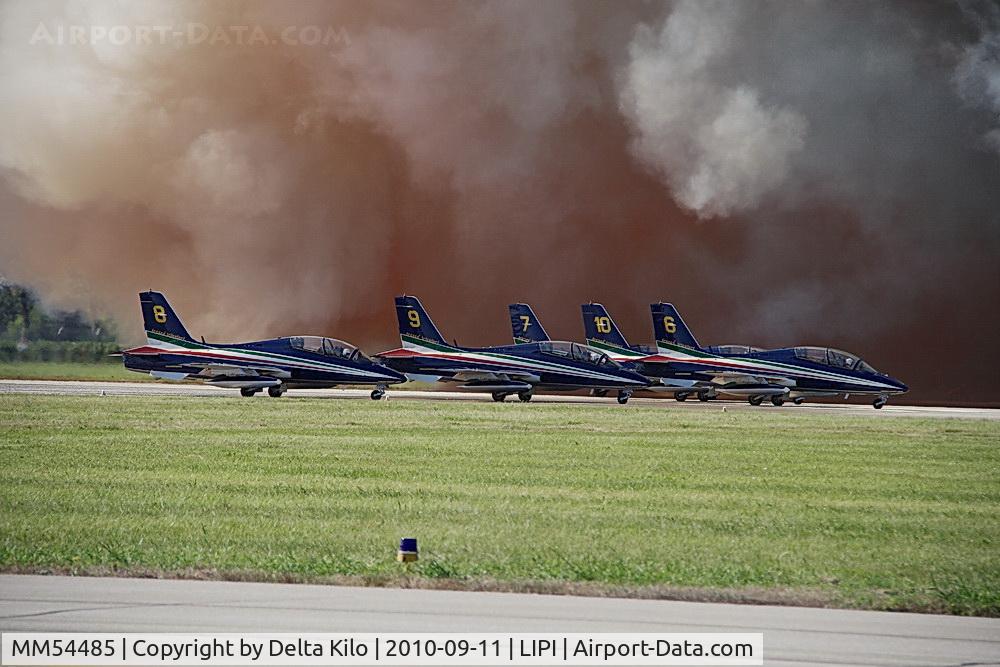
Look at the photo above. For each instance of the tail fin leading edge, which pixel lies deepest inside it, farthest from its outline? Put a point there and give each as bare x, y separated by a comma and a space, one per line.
524, 325
415, 324
159, 318
599, 327
669, 327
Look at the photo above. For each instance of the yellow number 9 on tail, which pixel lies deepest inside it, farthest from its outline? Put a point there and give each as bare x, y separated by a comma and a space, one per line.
414, 318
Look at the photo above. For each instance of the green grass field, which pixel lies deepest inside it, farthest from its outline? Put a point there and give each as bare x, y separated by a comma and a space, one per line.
762, 506
111, 371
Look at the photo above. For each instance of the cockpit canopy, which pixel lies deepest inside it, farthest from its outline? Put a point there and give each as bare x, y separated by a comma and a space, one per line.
734, 349
836, 358
328, 347
575, 351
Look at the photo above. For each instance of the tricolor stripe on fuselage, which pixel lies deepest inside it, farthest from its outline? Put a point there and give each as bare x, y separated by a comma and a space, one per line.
158, 343
677, 354
504, 363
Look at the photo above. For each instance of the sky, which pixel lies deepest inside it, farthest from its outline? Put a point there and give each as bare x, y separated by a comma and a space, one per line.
786, 173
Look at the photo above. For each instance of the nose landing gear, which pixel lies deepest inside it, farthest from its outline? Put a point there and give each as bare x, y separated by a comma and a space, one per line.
378, 392
624, 395
880, 402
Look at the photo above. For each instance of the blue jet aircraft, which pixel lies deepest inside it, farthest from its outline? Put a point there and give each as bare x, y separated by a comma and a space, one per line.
602, 334
502, 370
313, 362
805, 371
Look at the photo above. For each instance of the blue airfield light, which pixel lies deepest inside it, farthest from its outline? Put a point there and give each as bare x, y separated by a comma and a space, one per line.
407, 550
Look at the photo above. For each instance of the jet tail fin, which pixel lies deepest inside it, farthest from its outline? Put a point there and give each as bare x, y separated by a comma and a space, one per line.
524, 325
600, 328
415, 325
669, 327
159, 319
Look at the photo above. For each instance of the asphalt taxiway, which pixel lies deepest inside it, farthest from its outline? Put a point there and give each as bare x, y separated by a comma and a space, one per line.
89, 388
792, 635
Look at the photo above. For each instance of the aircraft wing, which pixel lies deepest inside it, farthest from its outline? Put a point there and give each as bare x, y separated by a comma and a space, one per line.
730, 377
479, 374
214, 369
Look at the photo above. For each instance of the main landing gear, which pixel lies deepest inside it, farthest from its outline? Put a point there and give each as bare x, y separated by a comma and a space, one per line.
778, 401
880, 402
681, 396
524, 396
624, 395
378, 392
499, 396
274, 392
755, 400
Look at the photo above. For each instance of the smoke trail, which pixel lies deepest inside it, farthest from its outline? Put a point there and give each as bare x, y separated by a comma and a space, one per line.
818, 171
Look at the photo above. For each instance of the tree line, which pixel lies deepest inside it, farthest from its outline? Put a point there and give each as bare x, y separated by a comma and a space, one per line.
31, 332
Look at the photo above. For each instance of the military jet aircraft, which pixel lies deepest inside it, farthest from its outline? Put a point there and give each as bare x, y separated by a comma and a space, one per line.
502, 370
805, 371
603, 334
278, 364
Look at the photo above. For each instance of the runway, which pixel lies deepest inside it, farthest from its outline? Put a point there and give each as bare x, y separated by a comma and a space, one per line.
88, 388
792, 636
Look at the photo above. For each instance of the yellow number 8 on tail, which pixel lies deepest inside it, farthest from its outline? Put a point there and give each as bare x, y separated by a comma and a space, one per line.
159, 314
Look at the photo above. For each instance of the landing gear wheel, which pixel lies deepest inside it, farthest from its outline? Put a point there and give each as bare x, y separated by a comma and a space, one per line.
623, 396
499, 396
755, 400
704, 397
275, 392
798, 401
880, 402
777, 400
681, 396
524, 396
248, 392
377, 394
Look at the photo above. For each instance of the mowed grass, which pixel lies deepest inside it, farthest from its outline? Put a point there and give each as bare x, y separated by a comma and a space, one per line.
877, 512
110, 371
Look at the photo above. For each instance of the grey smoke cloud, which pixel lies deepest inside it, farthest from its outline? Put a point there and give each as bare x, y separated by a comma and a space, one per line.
719, 147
